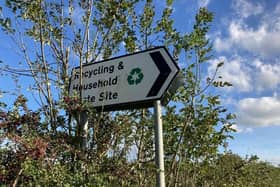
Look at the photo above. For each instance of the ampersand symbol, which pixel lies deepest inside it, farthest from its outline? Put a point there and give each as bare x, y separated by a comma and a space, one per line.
120, 66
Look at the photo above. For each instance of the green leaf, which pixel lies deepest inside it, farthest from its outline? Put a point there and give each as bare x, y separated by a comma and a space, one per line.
220, 64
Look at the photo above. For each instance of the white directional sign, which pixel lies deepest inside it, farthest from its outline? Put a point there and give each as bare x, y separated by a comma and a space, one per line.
127, 81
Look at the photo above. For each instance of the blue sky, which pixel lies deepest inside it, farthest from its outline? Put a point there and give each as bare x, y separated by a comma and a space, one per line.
246, 36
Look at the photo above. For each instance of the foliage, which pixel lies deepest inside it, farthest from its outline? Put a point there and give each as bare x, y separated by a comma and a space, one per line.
231, 170
51, 146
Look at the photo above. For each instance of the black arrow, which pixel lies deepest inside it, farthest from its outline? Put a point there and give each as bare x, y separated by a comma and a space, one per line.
164, 71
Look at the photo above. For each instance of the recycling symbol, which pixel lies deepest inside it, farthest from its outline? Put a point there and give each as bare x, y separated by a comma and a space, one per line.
135, 76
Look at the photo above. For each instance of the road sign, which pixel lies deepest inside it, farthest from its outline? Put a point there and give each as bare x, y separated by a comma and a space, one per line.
129, 81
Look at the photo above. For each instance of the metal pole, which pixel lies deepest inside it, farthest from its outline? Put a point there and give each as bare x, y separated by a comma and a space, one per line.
160, 181
84, 125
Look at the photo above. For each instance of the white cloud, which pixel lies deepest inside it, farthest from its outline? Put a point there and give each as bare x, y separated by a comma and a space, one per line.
222, 44
261, 39
272, 18
240, 129
247, 75
274, 160
234, 72
246, 8
267, 76
203, 3
262, 111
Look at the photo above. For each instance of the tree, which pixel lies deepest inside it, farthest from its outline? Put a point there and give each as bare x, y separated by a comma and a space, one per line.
67, 34
232, 170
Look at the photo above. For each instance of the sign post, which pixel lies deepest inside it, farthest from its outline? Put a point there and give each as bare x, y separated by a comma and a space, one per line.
160, 177
138, 80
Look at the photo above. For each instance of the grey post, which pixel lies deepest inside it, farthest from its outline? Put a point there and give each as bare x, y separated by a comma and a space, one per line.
83, 122
160, 178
